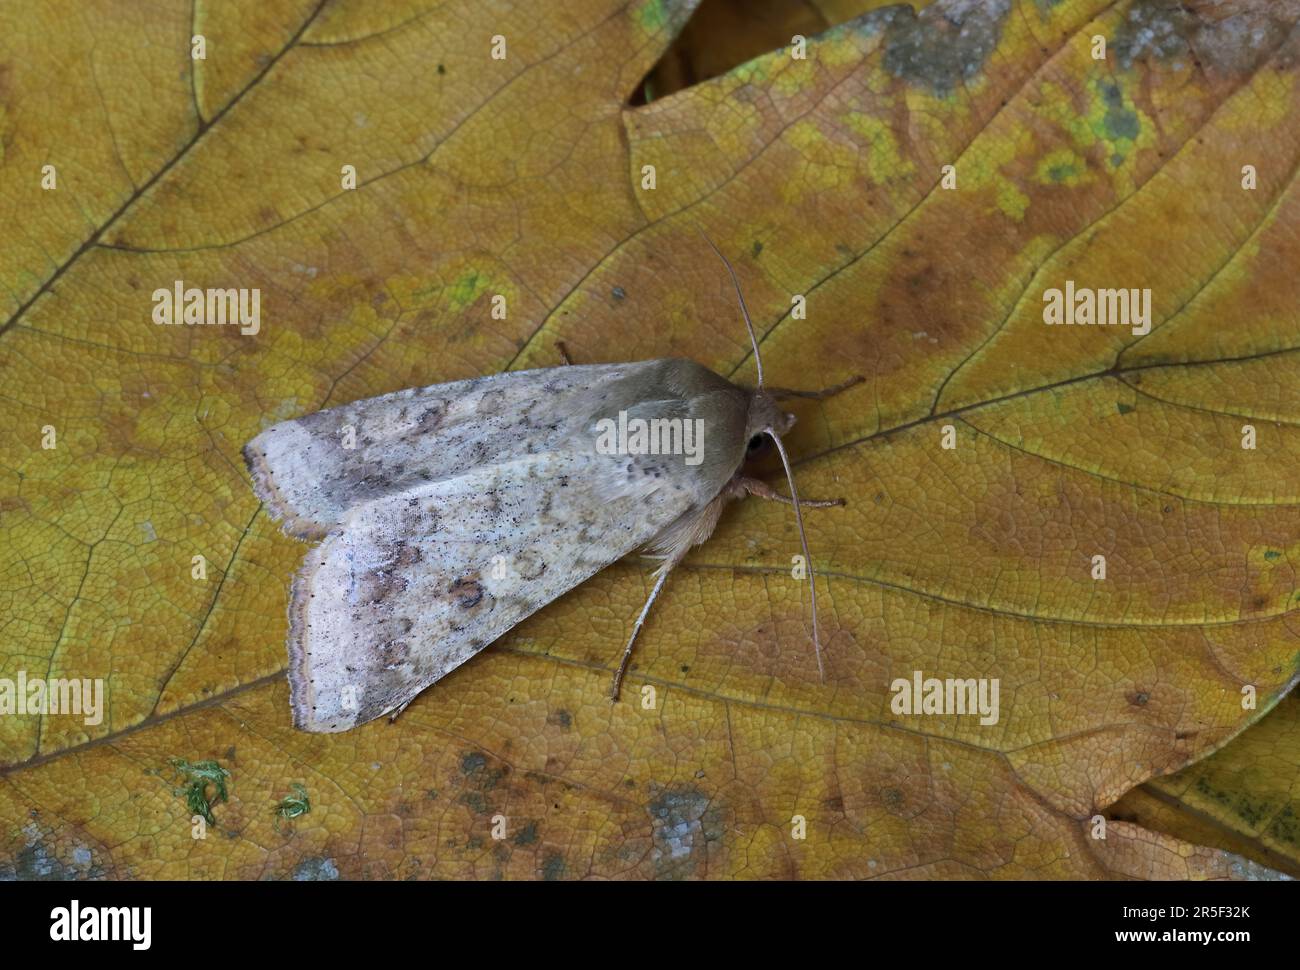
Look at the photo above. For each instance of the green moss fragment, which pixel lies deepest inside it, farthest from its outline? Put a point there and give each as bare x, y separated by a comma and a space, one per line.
195, 778
293, 805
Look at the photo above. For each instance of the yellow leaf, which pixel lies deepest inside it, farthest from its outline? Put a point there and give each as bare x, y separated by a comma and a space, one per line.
922, 179
1244, 798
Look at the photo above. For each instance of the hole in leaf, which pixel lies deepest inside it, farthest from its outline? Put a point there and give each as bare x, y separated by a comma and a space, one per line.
723, 34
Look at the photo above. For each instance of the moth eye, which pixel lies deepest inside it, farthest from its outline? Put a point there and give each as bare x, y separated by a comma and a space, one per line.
755, 443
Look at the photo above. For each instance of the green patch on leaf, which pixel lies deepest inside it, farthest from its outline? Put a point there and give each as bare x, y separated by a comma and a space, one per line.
195, 780
467, 289
553, 866
293, 805
1120, 120
652, 16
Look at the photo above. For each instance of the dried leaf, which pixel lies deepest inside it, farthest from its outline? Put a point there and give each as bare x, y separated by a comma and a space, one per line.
522, 177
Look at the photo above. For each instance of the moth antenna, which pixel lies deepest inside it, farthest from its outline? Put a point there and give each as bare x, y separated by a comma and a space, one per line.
803, 539
744, 310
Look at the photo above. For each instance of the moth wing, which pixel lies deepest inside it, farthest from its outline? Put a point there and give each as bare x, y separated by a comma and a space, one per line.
309, 471
413, 585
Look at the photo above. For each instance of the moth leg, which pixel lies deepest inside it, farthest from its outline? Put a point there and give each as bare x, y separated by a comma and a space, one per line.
760, 489
564, 353
664, 570
823, 394
393, 717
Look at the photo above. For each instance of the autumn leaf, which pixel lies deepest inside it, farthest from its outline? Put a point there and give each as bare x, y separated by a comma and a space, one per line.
1243, 799
920, 180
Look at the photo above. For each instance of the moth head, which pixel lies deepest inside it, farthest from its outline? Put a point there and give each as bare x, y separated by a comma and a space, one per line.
765, 417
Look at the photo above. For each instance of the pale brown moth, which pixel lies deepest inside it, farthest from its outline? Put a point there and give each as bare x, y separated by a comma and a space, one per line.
449, 513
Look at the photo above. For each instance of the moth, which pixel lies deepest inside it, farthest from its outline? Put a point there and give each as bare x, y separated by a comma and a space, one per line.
449, 513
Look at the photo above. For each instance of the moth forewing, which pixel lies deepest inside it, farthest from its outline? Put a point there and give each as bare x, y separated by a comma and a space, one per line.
412, 586
311, 470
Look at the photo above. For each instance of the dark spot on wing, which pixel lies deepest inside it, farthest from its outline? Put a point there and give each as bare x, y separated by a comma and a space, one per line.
529, 565
429, 419
492, 401
468, 592
405, 554
394, 653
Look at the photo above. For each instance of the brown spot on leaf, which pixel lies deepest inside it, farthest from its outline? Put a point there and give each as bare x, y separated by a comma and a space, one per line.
944, 46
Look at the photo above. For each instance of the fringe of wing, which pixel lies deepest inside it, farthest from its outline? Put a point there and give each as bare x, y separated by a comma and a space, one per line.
301, 692
277, 505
